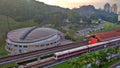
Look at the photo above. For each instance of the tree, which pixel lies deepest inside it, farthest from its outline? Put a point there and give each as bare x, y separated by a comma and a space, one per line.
94, 17
86, 59
91, 58
103, 58
39, 18
96, 56
118, 51
73, 17
75, 63
110, 51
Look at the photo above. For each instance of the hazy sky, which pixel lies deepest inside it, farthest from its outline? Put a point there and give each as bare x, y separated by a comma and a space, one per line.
78, 3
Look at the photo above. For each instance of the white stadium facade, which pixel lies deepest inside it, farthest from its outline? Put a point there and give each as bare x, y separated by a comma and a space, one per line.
32, 38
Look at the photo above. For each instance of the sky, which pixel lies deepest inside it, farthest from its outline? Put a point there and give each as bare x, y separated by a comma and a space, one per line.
77, 3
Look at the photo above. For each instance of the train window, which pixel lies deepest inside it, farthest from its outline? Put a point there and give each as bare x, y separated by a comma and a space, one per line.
96, 48
25, 46
15, 45
47, 44
8, 44
36, 46
20, 46
55, 42
42, 45
101, 48
51, 43
30, 46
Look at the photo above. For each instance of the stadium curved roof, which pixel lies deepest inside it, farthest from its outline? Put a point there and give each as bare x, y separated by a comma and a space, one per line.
30, 34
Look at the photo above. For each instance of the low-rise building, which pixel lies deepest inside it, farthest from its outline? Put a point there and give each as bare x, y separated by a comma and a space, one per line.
32, 38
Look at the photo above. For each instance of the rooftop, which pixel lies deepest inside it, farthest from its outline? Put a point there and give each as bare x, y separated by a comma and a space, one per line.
30, 34
108, 35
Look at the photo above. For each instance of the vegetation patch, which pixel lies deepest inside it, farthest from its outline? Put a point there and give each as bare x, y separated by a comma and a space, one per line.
93, 58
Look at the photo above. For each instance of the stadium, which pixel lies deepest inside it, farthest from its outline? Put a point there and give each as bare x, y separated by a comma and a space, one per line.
32, 38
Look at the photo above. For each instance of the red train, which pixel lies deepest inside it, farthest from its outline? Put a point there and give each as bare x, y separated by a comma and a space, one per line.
87, 48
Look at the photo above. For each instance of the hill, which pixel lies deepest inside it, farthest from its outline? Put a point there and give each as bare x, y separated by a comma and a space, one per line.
90, 10
85, 10
22, 10
26, 9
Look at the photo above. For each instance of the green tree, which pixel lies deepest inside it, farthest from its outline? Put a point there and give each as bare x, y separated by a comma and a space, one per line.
110, 52
94, 17
86, 59
75, 63
103, 54
96, 56
73, 17
118, 51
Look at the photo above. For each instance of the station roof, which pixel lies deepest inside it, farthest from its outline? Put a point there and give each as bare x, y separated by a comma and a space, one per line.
108, 35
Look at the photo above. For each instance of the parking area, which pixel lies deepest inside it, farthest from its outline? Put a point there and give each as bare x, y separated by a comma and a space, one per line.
86, 31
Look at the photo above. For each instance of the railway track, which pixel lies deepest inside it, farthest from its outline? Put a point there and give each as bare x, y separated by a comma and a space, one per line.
40, 64
23, 56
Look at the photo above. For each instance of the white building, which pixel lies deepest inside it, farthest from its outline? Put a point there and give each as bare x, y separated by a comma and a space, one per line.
32, 38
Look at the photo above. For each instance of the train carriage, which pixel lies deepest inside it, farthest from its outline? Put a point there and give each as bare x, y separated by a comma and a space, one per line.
86, 48
97, 46
70, 52
114, 42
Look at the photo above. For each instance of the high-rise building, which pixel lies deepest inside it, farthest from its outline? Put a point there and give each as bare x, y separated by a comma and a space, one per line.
119, 12
107, 7
114, 8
